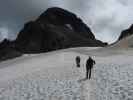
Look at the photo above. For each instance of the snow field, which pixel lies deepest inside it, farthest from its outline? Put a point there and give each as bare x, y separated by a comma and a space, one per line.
43, 78
113, 80
55, 77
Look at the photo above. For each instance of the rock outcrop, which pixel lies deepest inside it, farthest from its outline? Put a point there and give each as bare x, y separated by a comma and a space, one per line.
126, 33
7, 50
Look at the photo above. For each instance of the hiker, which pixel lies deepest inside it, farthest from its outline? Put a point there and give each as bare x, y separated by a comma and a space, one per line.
89, 65
78, 61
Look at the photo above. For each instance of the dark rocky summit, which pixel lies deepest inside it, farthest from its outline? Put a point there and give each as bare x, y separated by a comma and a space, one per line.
126, 32
55, 29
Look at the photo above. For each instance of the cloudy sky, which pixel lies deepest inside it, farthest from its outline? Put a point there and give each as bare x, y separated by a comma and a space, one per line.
106, 18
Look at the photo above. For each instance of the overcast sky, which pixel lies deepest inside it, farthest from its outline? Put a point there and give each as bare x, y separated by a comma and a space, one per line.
106, 18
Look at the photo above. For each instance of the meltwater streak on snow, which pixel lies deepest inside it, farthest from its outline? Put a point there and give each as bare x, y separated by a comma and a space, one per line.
55, 77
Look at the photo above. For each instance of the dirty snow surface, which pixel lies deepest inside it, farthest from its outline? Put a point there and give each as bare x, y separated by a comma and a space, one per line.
42, 77
54, 76
113, 78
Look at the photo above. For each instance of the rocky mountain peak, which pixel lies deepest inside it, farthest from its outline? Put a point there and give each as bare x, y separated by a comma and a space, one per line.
126, 32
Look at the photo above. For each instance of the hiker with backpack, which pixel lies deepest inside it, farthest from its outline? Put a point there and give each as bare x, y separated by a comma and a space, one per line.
89, 65
78, 61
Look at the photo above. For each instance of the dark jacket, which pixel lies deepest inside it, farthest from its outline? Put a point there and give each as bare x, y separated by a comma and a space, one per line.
89, 63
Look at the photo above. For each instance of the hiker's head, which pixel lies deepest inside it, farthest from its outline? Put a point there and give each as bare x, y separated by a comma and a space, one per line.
78, 56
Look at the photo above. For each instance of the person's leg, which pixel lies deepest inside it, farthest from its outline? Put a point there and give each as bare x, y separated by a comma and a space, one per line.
87, 73
78, 64
90, 74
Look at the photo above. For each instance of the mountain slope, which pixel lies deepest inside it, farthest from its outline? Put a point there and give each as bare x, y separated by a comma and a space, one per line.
126, 33
7, 50
55, 29
126, 42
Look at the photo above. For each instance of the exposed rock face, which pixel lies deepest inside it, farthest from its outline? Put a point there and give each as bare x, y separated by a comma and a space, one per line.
7, 50
126, 32
55, 29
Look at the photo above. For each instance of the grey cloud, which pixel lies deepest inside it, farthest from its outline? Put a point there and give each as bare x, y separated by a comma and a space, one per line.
110, 17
